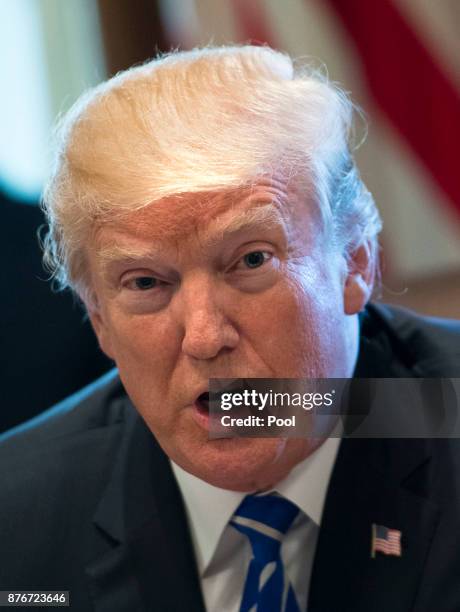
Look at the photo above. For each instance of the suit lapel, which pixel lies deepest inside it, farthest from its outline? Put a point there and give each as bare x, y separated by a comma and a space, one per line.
371, 483
374, 481
146, 559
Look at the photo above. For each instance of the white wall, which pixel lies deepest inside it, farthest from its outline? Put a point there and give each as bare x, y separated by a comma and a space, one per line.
50, 51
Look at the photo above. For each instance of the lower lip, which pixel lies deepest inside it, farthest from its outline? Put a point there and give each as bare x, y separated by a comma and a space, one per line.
210, 422
200, 416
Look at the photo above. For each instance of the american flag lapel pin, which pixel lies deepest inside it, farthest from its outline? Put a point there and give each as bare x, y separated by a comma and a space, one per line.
386, 541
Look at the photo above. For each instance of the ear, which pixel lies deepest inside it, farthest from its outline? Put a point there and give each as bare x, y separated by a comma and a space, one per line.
359, 280
100, 327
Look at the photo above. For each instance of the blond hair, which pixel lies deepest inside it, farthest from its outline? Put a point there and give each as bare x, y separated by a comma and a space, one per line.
201, 120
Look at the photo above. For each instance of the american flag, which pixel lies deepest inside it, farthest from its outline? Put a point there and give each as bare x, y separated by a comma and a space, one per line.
399, 59
386, 541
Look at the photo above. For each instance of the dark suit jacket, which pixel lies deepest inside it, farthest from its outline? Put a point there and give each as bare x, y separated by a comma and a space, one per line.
48, 349
88, 501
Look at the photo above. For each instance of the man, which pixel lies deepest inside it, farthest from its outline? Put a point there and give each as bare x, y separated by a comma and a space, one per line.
206, 208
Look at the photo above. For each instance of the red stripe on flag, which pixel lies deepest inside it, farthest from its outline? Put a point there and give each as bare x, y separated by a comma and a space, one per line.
408, 85
251, 22
388, 550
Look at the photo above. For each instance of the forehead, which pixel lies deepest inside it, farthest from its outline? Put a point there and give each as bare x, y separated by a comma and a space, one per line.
211, 216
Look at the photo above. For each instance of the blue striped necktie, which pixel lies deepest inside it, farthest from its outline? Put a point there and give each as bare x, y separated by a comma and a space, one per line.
264, 520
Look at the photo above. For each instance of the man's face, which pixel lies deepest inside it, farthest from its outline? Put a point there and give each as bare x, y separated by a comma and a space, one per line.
242, 284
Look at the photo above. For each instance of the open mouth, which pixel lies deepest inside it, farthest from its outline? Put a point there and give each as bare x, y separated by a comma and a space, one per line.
202, 403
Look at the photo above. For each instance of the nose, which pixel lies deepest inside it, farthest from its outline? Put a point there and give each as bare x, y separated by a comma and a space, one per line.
207, 328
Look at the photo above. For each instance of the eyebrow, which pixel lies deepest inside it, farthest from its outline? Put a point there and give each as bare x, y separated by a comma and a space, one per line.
217, 230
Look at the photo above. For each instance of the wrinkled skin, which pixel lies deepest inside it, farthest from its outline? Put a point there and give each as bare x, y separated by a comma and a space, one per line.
187, 305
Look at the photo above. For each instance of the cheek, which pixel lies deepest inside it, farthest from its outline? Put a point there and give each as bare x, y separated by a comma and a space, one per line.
143, 349
294, 325
144, 354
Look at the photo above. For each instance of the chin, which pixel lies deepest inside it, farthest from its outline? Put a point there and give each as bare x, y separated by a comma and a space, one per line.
244, 464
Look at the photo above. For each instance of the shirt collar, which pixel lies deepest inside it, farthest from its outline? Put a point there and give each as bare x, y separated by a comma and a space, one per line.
206, 527
306, 486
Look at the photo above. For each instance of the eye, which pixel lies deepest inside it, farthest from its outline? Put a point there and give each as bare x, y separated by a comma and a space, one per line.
143, 283
255, 259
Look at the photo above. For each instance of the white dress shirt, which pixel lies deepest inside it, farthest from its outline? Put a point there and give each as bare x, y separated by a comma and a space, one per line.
223, 554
